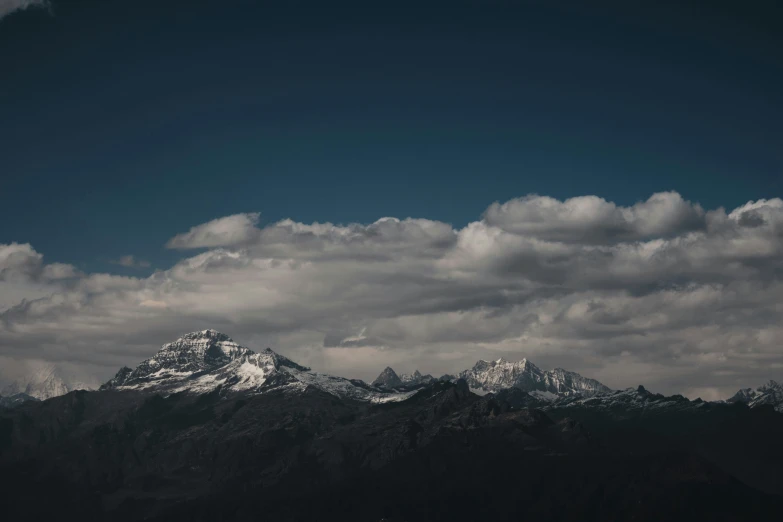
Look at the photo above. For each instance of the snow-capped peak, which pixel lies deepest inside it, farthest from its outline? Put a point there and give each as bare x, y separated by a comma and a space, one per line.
191, 353
499, 374
769, 393
202, 361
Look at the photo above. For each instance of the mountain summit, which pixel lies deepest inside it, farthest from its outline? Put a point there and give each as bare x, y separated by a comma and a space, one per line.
769, 393
190, 354
205, 361
389, 380
492, 376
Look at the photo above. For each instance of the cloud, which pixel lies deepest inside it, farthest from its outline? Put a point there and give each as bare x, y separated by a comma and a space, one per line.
223, 232
9, 6
20, 262
130, 261
590, 219
662, 293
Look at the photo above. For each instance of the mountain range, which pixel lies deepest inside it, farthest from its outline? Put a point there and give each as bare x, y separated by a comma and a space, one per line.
770, 393
202, 361
206, 429
206, 361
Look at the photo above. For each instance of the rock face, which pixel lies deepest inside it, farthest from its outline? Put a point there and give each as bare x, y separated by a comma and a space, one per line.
45, 383
388, 379
496, 375
206, 361
770, 393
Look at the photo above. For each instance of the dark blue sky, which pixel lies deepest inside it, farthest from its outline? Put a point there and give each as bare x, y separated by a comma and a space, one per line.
123, 123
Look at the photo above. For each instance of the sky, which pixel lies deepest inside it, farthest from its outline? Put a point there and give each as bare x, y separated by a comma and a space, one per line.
355, 185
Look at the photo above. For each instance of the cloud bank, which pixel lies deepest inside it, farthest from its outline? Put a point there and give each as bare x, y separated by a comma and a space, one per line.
662, 293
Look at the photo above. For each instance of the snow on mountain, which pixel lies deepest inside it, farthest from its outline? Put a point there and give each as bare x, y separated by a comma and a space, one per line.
45, 383
200, 362
497, 375
628, 402
416, 378
192, 353
769, 393
388, 379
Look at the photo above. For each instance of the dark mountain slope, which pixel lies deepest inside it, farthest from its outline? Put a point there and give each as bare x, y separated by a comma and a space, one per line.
442, 454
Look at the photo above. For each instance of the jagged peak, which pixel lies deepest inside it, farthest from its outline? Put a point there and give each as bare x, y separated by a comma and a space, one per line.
210, 334
281, 360
482, 363
388, 378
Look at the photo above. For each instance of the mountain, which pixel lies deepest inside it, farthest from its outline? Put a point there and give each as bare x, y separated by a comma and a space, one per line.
770, 393
207, 361
488, 376
15, 400
493, 376
628, 403
443, 453
416, 378
45, 383
388, 379
205, 428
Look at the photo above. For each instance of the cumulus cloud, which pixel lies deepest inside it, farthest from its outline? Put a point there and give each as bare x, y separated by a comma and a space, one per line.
9, 6
590, 219
130, 261
222, 232
20, 262
661, 293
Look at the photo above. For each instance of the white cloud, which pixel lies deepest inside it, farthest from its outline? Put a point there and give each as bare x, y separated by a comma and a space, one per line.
590, 219
661, 293
9, 6
20, 262
222, 232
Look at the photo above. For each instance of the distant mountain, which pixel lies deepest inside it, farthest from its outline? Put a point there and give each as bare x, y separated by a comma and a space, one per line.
45, 383
493, 376
489, 376
388, 379
15, 400
626, 403
769, 393
416, 378
207, 361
